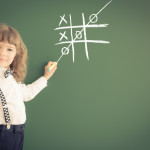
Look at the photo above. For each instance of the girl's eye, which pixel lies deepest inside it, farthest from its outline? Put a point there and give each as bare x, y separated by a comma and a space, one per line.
10, 50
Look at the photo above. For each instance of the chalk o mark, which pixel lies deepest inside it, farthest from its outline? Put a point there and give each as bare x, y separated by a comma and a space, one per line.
65, 51
78, 35
93, 18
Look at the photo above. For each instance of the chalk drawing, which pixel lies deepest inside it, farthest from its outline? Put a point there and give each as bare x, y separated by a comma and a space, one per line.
78, 35
63, 36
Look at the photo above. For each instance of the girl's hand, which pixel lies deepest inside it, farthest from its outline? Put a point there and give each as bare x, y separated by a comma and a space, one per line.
47, 73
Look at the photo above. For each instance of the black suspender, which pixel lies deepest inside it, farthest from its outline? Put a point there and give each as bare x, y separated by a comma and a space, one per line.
5, 109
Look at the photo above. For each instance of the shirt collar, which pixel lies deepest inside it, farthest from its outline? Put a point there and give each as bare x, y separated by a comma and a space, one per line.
2, 71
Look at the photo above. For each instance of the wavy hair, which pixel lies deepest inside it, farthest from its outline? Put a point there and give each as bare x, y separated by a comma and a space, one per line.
19, 64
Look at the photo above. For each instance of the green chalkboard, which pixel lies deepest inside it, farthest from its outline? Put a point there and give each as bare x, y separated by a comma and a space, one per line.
98, 104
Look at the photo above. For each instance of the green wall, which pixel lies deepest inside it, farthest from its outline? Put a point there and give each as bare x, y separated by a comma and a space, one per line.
100, 104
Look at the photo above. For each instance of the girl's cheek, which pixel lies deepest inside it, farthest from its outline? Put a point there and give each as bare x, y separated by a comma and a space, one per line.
12, 57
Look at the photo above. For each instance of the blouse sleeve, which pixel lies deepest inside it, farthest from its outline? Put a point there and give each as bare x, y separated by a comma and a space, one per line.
31, 90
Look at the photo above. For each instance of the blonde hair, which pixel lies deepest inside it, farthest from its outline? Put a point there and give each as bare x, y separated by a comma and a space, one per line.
19, 64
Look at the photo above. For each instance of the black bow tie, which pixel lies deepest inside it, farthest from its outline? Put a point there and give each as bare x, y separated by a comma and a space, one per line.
8, 72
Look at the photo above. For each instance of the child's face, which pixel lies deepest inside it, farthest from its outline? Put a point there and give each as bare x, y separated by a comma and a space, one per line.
7, 54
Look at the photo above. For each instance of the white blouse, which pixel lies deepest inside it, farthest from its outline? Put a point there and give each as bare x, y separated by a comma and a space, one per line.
15, 95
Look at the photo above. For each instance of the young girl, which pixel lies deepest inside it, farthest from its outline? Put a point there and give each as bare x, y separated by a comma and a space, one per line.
13, 93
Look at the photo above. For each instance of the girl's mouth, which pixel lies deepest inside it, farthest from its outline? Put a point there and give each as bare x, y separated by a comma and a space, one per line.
2, 59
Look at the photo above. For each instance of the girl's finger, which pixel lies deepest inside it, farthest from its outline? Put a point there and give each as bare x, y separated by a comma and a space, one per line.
49, 63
